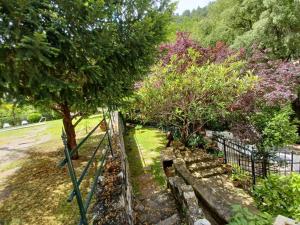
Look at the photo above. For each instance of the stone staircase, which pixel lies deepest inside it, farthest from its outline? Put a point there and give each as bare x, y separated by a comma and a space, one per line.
202, 164
212, 183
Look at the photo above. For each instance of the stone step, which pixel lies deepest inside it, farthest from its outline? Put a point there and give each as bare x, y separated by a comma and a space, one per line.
198, 157
172, 220
209, 172
204, 165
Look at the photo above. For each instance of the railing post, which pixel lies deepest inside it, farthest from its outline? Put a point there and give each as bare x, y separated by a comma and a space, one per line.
110, 145
74, 182
292, 161
225, 153
253, 168
264, 164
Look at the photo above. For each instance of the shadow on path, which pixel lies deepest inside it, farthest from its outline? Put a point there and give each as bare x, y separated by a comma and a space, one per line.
153, 202
37, 192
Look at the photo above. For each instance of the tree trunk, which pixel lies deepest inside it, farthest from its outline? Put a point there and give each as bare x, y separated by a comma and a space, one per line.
185, 133
70, 130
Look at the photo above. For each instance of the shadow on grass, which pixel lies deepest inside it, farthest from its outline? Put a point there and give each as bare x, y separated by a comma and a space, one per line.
134, 159
145, 155
37, 192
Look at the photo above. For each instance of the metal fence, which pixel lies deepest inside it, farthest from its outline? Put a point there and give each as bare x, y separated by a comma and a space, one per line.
256, 163
104, 141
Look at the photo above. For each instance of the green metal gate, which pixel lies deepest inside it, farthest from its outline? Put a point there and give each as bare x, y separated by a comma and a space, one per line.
75, 192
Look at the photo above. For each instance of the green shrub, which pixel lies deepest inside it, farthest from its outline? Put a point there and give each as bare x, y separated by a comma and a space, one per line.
280, 130
9, 120
196, 141
240, 177
242, 216
279, 195
34, 117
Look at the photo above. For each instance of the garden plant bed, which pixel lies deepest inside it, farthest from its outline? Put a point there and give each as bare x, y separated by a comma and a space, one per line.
108, 206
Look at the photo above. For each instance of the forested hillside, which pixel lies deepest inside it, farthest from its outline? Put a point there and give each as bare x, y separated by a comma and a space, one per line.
271, 24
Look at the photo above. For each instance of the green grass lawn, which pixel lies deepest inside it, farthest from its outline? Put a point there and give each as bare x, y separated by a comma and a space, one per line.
53, 128
143, 146
36, 193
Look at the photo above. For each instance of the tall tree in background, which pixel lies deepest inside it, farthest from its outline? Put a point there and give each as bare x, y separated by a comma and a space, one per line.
73, 56
273, 24
277, 27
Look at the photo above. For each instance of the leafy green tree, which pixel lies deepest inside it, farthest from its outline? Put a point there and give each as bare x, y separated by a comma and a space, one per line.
272, 24
189, 99
74, 56
278, 27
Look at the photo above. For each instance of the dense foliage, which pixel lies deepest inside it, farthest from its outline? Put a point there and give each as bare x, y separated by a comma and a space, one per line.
263, 114
74, 56
279, 195
273, 24
242, 216
187, 90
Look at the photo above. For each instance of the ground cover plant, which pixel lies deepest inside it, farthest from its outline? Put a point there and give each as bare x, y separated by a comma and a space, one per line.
279, 195
242, 216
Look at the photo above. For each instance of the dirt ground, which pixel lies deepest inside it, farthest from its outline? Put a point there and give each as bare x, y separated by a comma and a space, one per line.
33, 189
14, 149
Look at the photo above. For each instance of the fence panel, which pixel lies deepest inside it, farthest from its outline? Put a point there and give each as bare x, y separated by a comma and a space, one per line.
281, 161
104, 141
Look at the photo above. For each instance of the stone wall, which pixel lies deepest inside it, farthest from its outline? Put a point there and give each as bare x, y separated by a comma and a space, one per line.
182, 192
210, 180
114, 192
188, 202
119, 129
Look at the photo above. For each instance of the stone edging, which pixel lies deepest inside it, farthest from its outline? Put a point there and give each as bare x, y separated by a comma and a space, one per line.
118, 127
222, 210
183, 193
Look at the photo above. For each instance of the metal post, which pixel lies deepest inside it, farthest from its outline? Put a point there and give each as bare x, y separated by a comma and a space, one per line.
264, 163
253, 168
225, 154
75, 184
109, 143
239, 162
292, 161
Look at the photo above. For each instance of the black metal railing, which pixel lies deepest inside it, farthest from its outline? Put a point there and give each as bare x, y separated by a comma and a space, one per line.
258, 163
105, 142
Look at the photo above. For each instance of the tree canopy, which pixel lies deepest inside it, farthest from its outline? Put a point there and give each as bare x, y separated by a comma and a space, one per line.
193, 86
273, 24
77, 55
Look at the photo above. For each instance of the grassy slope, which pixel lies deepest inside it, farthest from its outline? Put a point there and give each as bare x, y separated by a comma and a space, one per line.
38, 190
143, 148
